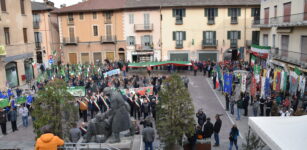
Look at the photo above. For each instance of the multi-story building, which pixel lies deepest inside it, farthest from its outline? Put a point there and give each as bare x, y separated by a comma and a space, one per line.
46, 33
92, 31
207, 30
283, 27
142, 32
16, 42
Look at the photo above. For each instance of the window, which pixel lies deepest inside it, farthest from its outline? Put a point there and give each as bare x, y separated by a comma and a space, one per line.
131, 18
304, 48
266, 15
107, 17
275, 11
234, 13
255, 12
25, 35
94, 15
287, 12
3, 5
234, 36
146, 21
209, 38
95, 30
72, 35
70, 18
265, 40
81, 16
22, 6
109, 32
131, 40
273, 40
211, 13
255, 37
38, 39
36, 20
179, 37
284, 45
179, 14
7, 36
305, 10
146, 42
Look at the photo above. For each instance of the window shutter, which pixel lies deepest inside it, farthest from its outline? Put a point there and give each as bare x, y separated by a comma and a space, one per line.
174, 12
128, 40
228, 35
229, 12
183, 35
206, 12
216, 12
150, 39
183, 12
133, 40
40, 37
174, 35
214, 36
239, 35
142, 40
253, 12
239, 11
204, 35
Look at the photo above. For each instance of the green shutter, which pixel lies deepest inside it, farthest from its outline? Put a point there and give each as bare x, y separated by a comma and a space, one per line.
204, 35
206, 12
183, 35
183, 12
228, 35
253, 12
239, 35
216, 12
229, 12
214, 36
174, 35
174, 12
239, 11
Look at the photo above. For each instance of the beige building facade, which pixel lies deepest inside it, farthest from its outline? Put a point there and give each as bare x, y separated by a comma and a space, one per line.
204, 33
283, 27
17, 40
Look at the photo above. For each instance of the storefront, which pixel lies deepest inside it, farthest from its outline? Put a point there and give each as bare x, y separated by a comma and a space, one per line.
142, 56
179, 56
208, 55
29, 70
11, 74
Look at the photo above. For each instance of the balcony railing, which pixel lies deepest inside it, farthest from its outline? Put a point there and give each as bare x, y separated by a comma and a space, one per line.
70, 22
38, 46
179, 20
108, 39
141, 47
283, 21
233, 43
298, 58
209, 43
35, 24
71, 40
179, 44
211, 21
234, 20
107, 21
143, 27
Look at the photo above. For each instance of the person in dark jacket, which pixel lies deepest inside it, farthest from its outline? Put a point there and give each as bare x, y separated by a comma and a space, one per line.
145, 108
13, 118
245, 104
208, 129
201, 117
233, 137
216, 129
148, 136
227, 101
3, 121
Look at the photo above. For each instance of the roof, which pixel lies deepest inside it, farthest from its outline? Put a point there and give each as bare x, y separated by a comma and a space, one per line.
93, 5
99, 5
37, 6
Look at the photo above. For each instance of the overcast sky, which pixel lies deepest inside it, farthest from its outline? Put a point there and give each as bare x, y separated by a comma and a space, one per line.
57, 3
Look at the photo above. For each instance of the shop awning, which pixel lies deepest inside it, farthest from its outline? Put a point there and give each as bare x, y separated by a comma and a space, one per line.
281, 133
160, 63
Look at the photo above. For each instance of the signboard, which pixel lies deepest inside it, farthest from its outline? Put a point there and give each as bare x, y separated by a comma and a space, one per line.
2, 50
76, 90
111, 73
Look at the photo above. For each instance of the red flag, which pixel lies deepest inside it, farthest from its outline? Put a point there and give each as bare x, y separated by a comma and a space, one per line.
278, 81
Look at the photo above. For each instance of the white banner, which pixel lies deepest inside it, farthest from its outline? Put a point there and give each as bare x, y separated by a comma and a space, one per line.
111, 73
262, 86
243, 83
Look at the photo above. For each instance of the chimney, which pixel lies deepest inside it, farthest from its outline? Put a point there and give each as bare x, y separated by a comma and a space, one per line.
63, 5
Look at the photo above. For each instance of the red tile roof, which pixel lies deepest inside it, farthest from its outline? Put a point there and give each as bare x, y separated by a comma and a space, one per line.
93, 5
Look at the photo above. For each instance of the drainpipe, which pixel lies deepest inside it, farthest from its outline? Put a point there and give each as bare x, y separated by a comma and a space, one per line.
160, 33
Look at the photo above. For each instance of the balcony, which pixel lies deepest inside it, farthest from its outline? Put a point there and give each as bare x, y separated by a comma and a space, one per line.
35, 24
179, 21
233, 43
211, 21
297, 58
282, 21
209, 43
108, 39
38, 46
143, 27
179, 44
141, 47
107, 21
234, 20
70, 22
70, 40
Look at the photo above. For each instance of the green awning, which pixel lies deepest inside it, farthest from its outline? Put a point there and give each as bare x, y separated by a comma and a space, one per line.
160, 63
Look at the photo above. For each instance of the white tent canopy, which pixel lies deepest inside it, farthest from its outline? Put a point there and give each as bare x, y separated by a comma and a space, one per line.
281, 133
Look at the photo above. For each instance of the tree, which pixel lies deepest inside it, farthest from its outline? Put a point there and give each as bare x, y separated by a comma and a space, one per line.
56, 107
253, 142
174, 112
